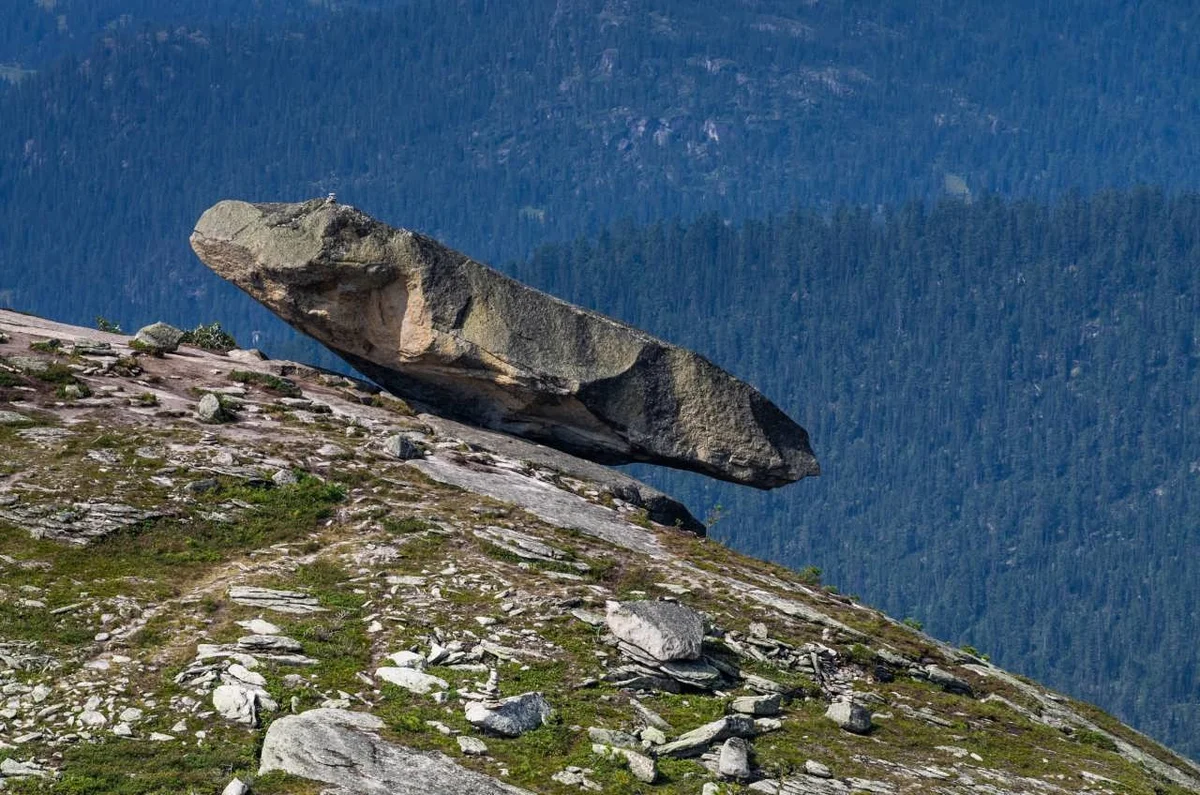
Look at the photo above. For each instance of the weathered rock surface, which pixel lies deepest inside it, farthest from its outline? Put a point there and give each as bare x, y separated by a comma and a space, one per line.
663, 630
512, 716
160, 337
343, 748
850, 716
435, 327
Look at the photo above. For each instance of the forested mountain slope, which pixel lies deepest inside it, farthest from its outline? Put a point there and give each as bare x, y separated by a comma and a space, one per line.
500, 126
496, 126
1004, 400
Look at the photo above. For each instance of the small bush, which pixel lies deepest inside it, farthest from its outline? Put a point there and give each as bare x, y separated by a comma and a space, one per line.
104, 324
1095, 739
46, 346
913, 623
272, 383
810, 575
211, 338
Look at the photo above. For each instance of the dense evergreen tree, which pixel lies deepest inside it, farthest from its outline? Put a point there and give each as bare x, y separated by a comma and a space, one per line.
1005, 398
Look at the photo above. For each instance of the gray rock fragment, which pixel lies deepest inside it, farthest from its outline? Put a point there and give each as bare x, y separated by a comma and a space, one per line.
948, 681
734, 761
472, 746
293, 602
210, 410
236, 787
665, 631
511, 716
851, 716
695, 742
403, 447
434, 327
160, 337
343, 748
759, 706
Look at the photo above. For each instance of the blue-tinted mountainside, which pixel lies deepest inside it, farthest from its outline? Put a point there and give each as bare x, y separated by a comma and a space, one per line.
1004, 400
955, 434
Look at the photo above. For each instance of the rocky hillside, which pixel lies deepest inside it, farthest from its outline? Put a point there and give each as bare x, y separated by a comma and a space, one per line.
219, 571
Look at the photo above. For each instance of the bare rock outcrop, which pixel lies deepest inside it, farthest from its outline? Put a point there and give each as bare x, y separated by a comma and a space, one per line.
437, 328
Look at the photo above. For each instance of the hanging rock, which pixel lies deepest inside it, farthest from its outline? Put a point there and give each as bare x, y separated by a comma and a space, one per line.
436, 328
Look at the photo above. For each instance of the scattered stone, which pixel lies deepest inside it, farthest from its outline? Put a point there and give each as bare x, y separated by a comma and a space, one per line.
408, 659
259, 627
814, 768
695, 742
493, 351
734, 761
293, 602
613, 737
511, 716
763, 706
472, 746
159, 338
236, 787
273, 644
412, 680
11, 768
665, 631
285, 477
236, 703
209, 410
344, 749
948, 681
13, 418
641, 766
850, 715
403, 447
577, 777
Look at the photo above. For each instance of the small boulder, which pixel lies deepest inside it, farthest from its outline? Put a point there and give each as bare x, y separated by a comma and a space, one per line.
512, 716
663, 630
159, 338
948, 681
210, 410
472, 746
734, 761
816, 769
403, 447
236, 703
850, 716
236, 787
759, 706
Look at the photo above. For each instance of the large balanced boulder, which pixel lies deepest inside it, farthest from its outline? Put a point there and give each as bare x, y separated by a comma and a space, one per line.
441, 330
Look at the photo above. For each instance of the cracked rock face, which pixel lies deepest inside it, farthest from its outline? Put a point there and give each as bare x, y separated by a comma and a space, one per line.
435, 327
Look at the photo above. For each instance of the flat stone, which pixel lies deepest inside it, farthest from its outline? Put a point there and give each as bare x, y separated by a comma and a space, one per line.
270, 644
344, 749
412, 680
512, 716
278, 601
13, 418
814, 768
436, 328
664, 630
759, 706
948, 681
695, 742
472, 746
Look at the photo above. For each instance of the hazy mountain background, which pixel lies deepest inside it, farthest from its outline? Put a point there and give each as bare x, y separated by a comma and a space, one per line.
894, 217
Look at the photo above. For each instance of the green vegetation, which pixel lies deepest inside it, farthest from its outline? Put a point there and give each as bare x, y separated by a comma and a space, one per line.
210, 337
284, 387
104, 324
